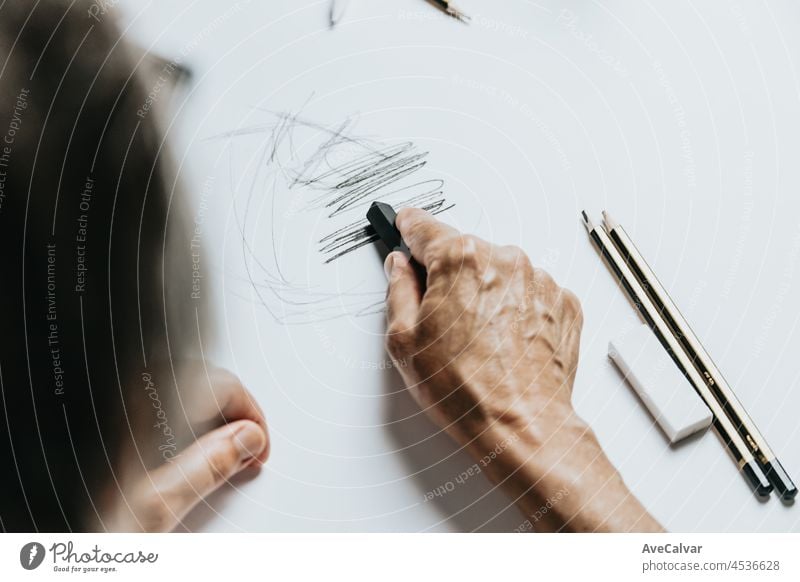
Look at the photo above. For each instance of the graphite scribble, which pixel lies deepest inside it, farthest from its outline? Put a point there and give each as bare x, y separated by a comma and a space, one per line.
332, 174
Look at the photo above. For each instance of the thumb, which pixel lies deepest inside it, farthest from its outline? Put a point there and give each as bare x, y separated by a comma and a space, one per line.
403, 299
202, 468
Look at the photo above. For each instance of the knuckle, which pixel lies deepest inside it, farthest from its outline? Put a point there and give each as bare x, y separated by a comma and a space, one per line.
399, 340
543, 276
424, 232
419, 230
225, 382
572, 307
408, 213
437, 252
444, 254
405, 213
222, 461
515, 258
437, 249
471, 245
543, 280
395, 329
514, 253
464, 252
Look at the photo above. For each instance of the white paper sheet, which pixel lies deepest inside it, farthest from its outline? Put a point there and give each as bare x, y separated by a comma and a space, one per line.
681, 119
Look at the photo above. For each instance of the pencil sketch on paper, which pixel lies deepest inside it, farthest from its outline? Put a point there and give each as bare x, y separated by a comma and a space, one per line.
322, 179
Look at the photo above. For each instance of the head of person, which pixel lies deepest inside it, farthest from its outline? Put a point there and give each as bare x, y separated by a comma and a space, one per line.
95, 312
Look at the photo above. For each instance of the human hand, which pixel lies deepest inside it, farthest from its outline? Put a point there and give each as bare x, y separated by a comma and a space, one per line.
490, 338
162, 497
489, 347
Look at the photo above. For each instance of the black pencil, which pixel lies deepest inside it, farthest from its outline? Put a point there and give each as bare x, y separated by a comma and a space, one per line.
702, 360
727, 432
446, 7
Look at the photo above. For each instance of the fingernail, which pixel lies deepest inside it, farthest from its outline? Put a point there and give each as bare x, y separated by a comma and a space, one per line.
388, 265
250, 441
394, 261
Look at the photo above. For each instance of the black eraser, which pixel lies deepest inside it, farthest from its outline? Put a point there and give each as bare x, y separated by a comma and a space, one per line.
382, 218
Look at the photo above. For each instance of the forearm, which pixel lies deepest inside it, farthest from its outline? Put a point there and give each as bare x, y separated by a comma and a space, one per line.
560, 477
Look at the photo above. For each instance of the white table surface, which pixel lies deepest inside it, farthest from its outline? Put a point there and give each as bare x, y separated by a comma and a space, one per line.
682, 118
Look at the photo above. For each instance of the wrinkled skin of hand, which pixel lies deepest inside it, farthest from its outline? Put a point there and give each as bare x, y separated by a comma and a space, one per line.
488, 345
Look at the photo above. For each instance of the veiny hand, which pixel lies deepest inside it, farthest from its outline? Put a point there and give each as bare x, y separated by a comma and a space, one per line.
160, 499
488, 346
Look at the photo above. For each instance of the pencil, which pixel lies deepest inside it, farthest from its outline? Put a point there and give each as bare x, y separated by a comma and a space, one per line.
722, 424
447, 7
338, 9
702, 360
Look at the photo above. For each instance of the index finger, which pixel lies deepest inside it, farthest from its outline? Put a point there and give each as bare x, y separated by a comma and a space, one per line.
226, 399
420, 230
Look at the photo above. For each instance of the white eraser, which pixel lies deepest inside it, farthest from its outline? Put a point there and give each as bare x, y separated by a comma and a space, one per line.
668, 395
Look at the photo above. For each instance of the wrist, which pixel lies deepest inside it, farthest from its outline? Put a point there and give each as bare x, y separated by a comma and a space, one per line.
535, 446
559, 476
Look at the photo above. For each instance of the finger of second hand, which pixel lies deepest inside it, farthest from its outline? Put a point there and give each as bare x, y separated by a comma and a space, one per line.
225, 400
206, 465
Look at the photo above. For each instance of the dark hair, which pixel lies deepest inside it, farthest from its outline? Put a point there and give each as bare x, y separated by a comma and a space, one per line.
86, 225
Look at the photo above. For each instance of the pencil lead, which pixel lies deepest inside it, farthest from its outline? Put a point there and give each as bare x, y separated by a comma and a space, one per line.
337, 10
450, 10
610, 223
587, 221
460, 16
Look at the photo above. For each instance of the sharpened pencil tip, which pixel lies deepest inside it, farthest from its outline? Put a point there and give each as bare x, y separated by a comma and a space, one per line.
337, 10
610, 223
587, 221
